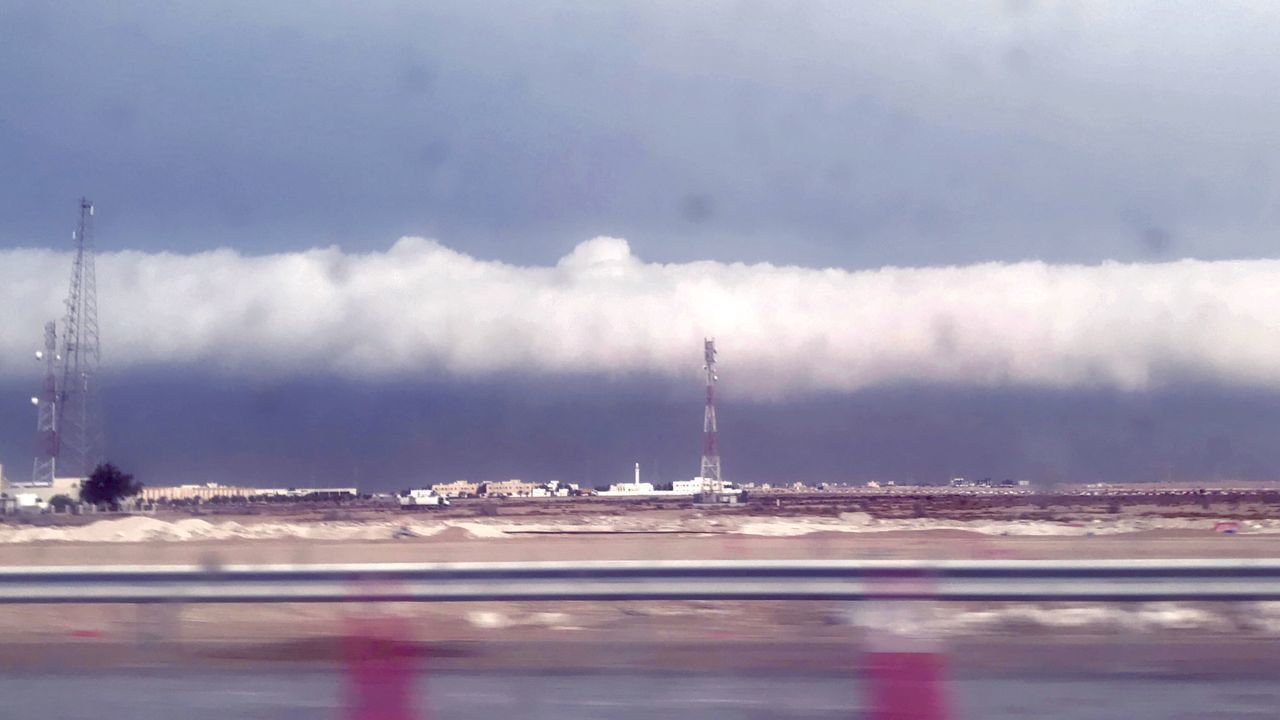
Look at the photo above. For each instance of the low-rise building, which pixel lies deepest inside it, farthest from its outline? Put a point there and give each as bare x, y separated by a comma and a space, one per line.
509, 488
631, 488
206, 491
457, 488
700, 485
209, 491
687, 487
34, 492
333, 492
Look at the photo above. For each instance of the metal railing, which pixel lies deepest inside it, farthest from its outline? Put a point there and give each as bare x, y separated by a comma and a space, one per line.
1010, 580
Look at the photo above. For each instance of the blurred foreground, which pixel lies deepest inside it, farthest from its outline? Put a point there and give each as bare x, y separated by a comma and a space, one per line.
550, 695
631, 659
747, 659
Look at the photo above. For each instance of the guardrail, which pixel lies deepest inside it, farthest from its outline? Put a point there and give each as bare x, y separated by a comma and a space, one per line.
1012, 580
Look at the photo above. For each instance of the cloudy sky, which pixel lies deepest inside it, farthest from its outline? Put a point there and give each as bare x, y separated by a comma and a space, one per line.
422, 241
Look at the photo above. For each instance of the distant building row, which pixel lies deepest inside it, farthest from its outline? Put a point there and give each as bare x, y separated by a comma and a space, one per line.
679, 487
505, 488
209, 491
463, 489
988, 482
458, 488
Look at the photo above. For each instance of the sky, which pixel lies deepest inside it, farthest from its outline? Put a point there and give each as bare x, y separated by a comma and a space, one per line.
415, 242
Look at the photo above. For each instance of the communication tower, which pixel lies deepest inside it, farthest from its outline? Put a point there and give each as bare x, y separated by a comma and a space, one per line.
43, 472
710, 473
80, 437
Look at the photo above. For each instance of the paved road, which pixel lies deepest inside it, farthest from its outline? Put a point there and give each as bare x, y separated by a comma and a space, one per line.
277, 696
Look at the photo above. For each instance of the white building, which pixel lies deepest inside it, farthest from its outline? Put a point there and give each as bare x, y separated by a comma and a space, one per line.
687, 487
630, 489
635, 487
700, 484
31, 495
679, 487
555, 488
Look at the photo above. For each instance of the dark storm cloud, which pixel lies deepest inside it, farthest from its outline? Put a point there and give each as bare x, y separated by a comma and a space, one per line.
827, 133
173, 428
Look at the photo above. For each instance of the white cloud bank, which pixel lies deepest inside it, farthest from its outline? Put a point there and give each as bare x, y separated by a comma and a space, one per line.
421, 308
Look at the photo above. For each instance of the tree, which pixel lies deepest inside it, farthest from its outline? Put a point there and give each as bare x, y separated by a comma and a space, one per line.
61, 502
108, 486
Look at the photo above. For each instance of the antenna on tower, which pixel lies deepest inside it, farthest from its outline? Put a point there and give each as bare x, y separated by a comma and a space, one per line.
710, 473
79, 416
43, 471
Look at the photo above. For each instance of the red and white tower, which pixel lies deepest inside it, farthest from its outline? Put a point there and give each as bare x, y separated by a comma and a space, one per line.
79, 416
46, 403
710, 473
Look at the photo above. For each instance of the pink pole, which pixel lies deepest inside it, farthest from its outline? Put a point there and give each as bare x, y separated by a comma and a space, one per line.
905, 667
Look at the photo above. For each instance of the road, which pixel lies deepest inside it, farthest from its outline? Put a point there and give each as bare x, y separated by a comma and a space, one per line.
222, 695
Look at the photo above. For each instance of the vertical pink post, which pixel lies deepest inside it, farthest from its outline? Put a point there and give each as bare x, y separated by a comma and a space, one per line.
381, 666
906, 686
905, 667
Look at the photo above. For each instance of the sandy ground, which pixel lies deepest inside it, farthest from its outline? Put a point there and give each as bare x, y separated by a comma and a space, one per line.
653, 536
888, 545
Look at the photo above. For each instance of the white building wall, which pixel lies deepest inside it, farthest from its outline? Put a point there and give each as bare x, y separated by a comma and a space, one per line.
687, 487
61, 486
632, 489
697, 485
